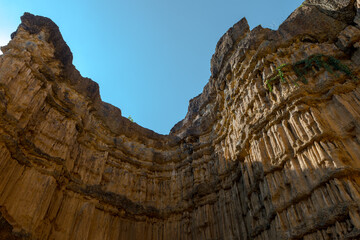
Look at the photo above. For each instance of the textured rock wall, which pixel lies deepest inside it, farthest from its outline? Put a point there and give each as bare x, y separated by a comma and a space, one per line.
245, 163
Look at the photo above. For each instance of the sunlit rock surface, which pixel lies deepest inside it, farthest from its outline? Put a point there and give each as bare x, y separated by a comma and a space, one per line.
245, 163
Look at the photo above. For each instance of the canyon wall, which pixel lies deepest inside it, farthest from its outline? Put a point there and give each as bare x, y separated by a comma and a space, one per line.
269, 150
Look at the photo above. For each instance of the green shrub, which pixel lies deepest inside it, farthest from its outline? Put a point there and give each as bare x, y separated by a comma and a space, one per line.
302, 67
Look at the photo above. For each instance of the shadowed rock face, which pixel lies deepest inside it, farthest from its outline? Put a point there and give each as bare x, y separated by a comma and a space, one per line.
245, 163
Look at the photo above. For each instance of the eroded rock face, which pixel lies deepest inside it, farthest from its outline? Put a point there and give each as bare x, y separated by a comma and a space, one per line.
245, 163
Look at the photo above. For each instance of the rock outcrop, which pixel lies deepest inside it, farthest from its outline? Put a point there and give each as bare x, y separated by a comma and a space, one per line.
269, 150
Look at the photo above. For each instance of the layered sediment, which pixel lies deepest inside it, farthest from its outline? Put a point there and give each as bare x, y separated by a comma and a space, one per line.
269, 150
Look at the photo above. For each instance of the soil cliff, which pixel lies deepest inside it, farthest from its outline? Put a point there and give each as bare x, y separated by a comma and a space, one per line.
269, 150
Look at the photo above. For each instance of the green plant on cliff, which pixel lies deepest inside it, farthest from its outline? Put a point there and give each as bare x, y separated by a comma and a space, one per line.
302, 67
280, 76
130, 118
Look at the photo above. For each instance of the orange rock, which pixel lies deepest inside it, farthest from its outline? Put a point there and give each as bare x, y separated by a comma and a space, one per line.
245, 163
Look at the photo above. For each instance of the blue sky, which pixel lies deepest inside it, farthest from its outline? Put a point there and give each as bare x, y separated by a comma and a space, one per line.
149, 57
